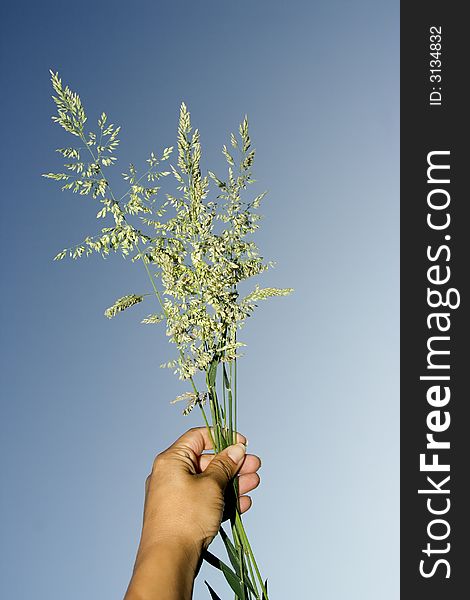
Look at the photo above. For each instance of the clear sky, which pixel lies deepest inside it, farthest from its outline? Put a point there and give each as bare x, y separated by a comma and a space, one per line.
84, 405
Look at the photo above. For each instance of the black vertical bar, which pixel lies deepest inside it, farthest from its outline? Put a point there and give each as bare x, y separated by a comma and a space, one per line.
435, 560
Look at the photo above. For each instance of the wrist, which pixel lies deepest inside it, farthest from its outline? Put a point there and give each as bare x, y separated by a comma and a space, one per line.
178, 548
165, 570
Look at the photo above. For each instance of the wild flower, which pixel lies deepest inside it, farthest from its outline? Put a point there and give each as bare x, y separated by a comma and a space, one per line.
196, 250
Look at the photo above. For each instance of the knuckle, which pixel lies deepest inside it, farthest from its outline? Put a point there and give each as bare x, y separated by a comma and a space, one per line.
186, 455
159, 461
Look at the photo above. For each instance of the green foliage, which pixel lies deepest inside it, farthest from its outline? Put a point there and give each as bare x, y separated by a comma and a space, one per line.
231, 577
199, 248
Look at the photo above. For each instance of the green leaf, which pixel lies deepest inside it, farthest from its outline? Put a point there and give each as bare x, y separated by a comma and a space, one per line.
212, 592
232, 579
212, 373
231, 551
226, 380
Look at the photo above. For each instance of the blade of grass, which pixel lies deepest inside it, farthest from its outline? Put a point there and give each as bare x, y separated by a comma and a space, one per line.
232, 578
214, 596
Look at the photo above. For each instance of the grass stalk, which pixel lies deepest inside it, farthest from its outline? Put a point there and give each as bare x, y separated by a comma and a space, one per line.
197, 265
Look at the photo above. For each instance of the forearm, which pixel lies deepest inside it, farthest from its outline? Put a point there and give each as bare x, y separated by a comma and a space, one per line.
164, 571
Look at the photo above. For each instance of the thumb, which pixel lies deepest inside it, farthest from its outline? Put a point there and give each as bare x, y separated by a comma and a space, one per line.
224, 466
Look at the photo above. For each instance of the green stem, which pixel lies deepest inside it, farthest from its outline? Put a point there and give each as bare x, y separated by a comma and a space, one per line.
224, 393
207, 423
241, 559
242, 533
230, 404
235, 393
252, 576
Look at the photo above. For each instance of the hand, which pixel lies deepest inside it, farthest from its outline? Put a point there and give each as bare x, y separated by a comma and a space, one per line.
185, 492
185, 497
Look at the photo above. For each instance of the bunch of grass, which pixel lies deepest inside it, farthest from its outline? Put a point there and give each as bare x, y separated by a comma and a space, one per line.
195, 252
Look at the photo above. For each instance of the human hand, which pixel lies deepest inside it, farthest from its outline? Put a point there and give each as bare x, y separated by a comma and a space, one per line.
185, 497
187, 490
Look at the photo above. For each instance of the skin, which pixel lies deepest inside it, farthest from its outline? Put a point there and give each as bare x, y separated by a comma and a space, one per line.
187, 495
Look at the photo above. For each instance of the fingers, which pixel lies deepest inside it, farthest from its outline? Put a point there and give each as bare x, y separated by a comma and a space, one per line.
247, 483
226, 464
251, 464
198, 439
248, 478
245, 503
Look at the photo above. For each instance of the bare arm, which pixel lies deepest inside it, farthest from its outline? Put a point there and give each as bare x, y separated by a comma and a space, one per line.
184, 505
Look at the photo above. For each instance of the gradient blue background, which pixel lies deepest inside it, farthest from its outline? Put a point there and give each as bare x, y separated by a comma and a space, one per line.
85, 406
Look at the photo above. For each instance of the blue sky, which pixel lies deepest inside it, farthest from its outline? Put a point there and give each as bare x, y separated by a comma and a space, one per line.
85, 406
